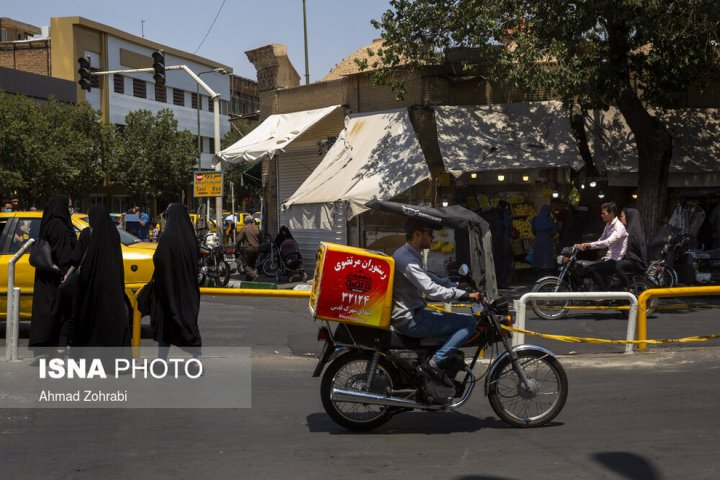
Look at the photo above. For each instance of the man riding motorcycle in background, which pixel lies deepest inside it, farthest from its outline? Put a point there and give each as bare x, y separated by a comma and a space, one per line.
409, 316
614, 238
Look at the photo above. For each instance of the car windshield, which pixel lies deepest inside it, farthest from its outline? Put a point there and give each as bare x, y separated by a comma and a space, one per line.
125, 237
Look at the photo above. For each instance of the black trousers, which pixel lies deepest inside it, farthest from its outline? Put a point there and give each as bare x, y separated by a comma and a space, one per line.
600, 271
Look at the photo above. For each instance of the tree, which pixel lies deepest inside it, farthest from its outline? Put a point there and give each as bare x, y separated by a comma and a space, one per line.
49, 148
636, 55
234, 173
153, 159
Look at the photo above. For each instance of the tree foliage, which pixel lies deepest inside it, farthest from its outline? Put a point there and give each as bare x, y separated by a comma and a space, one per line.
243, 186
153, 158
48, 148
631, 54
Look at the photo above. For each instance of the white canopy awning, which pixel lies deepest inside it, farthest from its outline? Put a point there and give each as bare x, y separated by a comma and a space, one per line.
696, 146
377, 155
514, 136
273, 134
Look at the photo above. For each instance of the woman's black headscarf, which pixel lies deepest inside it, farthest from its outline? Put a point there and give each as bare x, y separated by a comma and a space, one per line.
101, 317
637, 246
57, 207
176, 305
57, 228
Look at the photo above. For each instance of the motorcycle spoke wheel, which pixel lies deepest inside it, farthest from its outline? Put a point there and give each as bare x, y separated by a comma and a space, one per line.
349, 372
270, 267
520, 407
550, 309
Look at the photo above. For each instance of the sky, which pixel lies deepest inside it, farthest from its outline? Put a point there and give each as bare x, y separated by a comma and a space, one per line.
336, 28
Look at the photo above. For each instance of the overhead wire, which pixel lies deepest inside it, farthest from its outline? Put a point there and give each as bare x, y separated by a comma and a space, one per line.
211, 27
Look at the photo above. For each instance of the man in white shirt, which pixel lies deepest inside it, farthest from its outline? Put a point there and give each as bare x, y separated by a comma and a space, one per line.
614, 238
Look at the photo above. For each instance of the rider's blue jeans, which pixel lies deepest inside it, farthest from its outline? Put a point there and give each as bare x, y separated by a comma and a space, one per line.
429, 324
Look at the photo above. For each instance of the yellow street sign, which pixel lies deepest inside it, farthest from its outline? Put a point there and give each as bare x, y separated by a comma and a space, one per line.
208, 184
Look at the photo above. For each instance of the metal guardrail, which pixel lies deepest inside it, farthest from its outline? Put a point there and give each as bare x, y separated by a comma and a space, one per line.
664, 293
521, 308
133, 289
12, 320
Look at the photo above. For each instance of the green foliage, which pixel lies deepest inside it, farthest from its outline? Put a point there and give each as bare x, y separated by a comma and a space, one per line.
153, 159
49, 148
234, 172
587, 52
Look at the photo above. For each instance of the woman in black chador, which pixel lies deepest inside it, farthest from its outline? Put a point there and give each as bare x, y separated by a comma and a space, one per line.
51, 310
100, 315
176, 303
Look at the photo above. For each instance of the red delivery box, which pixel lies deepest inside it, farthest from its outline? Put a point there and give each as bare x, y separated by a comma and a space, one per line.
352, 285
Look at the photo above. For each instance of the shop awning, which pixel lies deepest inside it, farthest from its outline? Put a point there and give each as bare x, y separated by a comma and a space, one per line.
515, 136
696, 146
273, 134
376, 156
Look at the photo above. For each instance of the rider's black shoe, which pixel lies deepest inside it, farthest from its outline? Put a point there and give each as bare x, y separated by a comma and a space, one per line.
435, 373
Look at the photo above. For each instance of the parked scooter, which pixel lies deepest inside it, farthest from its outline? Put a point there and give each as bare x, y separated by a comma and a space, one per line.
213, 269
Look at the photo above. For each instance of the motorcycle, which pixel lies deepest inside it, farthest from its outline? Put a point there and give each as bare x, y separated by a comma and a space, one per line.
371, 374
571, 279
212, 267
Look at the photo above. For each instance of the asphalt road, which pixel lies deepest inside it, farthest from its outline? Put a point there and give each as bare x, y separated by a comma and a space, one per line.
651, 415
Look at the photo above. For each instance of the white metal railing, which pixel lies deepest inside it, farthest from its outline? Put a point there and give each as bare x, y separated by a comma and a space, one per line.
521, 309
12, 320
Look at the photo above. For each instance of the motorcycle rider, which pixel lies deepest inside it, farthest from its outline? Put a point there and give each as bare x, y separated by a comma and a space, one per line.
614, 238
409, 316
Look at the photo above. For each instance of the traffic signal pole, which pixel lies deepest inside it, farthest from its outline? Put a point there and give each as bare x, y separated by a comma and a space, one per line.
216, 120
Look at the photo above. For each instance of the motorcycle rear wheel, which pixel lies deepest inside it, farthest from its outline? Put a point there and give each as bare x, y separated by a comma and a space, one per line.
640, 286
512, 402
270, 267
550, 309
349, 372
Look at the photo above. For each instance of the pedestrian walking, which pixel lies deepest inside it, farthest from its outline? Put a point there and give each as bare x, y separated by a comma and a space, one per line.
51, 310
100, 317
543, 227
176, 303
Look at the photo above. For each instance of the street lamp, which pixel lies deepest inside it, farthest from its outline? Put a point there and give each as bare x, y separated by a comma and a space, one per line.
198, 104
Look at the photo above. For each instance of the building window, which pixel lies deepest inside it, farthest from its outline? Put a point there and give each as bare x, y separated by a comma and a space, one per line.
160, 94
120, 203
193, 100
211, 142
178, 97
99, 198
224, 106
139, 88
118, 83
211, 105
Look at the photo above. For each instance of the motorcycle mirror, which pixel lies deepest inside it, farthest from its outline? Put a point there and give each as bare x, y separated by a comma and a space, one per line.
464, 270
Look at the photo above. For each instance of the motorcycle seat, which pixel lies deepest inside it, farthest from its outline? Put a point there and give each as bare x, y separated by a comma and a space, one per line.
356, 334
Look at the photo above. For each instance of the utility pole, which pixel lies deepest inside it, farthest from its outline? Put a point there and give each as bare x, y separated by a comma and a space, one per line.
307, 69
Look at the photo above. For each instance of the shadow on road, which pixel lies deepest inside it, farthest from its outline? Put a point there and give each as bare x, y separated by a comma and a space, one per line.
414, 423
628, 465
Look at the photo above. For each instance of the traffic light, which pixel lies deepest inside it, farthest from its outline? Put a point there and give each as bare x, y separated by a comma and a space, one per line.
159, 66
85, 73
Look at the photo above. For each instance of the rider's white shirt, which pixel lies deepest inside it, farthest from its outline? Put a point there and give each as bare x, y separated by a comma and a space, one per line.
615, 239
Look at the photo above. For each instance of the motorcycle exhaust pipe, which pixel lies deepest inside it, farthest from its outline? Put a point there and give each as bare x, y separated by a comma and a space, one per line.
369, 398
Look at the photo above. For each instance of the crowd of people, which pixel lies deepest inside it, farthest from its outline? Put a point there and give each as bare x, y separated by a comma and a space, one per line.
96, 314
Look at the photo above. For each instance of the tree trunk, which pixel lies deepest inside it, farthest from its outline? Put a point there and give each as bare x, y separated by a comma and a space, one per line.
577, 124
654, 148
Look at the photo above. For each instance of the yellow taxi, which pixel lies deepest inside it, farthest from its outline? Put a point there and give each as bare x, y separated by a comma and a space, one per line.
17, 227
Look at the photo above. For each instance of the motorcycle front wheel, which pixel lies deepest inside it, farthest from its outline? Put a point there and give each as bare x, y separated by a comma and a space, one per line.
550, 309
349, 372
219, 274
519, 406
